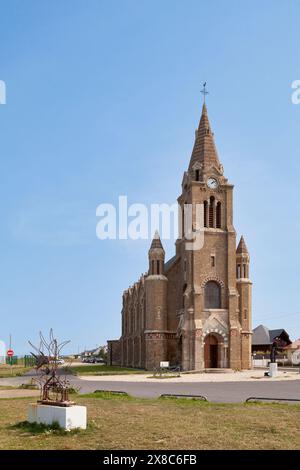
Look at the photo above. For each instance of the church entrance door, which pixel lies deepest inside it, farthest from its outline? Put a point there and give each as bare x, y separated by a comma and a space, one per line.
211, 358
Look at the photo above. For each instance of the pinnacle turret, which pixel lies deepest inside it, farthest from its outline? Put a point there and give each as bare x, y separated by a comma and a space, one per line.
242, 247
156, 242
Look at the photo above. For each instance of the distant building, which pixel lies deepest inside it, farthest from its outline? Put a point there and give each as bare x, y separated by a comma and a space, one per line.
93, 356
93, 352
293, 352
263, 338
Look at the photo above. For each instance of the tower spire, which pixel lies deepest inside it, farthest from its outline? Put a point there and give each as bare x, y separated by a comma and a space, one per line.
204, 151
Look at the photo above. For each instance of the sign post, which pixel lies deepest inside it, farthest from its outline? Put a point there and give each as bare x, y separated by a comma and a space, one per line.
10, 354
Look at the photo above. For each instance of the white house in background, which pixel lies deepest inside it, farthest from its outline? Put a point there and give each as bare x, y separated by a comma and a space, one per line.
293, 352
2, 352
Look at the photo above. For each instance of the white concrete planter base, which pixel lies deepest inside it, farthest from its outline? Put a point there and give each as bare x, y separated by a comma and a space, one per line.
273, 369
68, 417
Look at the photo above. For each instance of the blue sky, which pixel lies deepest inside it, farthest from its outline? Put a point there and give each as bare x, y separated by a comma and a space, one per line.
103, 99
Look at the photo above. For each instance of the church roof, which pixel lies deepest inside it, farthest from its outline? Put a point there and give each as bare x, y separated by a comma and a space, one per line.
156, 242
204, 150
242, 247
170, 262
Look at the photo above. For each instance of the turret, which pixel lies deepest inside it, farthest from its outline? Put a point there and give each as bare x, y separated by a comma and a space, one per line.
244, 287
156, 256
242, 260
156, 285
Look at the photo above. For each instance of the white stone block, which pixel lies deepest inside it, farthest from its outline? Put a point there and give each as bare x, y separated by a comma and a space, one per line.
273, 369
68, 417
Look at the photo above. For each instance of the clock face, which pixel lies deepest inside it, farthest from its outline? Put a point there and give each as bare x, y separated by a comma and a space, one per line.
212, 183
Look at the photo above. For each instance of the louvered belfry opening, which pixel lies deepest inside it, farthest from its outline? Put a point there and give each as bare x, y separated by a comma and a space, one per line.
205, 213
211, 211
218, 215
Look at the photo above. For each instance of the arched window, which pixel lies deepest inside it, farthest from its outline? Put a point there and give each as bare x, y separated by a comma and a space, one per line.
152, 267
211, 211
158, 266
205, 214
197, 174
218, 215
212, 295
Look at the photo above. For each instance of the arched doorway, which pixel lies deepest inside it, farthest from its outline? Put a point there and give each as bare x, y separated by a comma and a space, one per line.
211, 352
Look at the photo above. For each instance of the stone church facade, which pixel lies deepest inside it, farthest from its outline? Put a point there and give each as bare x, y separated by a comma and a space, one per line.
195, 309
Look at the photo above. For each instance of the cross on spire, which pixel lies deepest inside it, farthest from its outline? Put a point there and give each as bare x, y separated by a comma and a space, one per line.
204, 91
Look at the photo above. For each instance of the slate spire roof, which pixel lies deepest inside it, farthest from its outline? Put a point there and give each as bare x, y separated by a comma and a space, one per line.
204, 150
242, 247
156, 242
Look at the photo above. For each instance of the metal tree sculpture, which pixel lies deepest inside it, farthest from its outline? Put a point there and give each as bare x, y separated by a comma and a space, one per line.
54, 388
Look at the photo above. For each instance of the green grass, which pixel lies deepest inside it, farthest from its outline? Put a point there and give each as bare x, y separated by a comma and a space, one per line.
30, 386
122, 422
107, 395
97, 369
37, 428
14, 371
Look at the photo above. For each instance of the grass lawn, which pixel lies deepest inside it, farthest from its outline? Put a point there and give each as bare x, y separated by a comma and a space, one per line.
7, 371
98, 369
118, 422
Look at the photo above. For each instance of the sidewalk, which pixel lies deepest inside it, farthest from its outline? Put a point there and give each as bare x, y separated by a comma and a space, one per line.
247, 375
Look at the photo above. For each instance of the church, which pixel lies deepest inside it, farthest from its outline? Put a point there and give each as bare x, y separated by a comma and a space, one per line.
193, 310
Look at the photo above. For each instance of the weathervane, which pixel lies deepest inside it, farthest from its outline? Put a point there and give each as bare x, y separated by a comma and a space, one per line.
204, 91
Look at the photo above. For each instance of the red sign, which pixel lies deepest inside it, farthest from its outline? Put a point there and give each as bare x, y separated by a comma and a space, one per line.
10, 352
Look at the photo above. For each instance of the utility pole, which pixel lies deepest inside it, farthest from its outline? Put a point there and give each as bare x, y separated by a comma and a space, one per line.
10, 359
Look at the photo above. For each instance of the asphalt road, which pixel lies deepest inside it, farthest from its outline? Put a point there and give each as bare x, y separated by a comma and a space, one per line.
230, 392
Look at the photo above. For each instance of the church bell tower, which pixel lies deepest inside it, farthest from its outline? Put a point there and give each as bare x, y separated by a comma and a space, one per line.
217, 306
